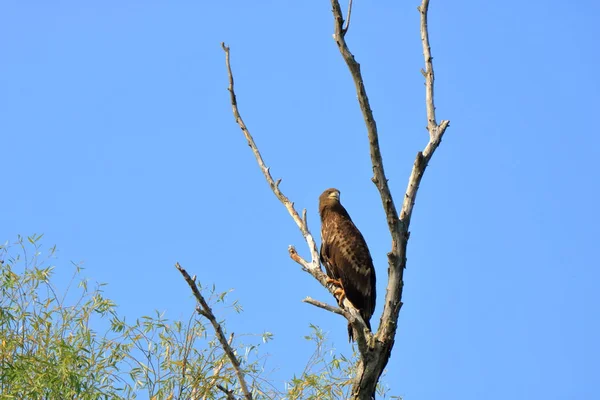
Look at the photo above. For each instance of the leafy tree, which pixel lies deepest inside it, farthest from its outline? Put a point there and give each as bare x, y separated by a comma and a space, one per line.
49, 349
52, 347
72, 344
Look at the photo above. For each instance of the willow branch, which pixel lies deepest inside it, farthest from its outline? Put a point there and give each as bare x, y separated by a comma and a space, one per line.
313, 267
205, 310
215, 374
228, 393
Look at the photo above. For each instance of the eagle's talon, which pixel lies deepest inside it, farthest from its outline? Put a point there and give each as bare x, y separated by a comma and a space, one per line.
338, 290
340, 295
335, 282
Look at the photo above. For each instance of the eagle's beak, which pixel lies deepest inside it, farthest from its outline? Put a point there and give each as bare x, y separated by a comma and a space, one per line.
335, 195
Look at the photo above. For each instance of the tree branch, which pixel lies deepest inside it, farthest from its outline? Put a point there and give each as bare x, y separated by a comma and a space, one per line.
215, 376
436, 131
324, 306
314, 266
379, 177
372, 364
348, 15
228, 393
205, 310
432, 125
301, 223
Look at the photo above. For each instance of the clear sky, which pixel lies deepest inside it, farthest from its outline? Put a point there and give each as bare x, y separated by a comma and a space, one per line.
118, 143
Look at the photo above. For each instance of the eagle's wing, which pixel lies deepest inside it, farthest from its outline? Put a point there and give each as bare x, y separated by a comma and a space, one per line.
328, 235
347, 258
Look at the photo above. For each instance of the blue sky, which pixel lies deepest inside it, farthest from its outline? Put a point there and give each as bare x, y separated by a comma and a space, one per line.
119, 145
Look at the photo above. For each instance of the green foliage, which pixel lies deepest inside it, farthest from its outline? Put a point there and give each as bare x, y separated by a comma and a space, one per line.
177, 360
50, 350
327, 375
72, 344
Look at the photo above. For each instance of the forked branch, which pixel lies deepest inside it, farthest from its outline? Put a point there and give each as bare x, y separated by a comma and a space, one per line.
205, 310
371, 367
228, 393
313, 267
207, 388
379, 177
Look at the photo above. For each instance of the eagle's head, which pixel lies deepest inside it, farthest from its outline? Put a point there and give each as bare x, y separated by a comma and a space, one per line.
329, 197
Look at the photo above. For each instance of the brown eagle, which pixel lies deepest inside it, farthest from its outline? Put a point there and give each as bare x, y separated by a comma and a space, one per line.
346, 257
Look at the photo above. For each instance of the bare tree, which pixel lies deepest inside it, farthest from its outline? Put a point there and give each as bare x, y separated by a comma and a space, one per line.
374, 348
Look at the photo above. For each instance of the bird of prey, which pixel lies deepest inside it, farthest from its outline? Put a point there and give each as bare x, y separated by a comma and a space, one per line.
346, 257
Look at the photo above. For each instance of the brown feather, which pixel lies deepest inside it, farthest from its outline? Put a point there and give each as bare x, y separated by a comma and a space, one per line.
345, 255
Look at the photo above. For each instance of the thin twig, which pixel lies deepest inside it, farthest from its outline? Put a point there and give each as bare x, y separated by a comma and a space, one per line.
228, 393
345, 30
324, 306
428, 72
216, 372
314, 266
187, 349
436, 131
206, 311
